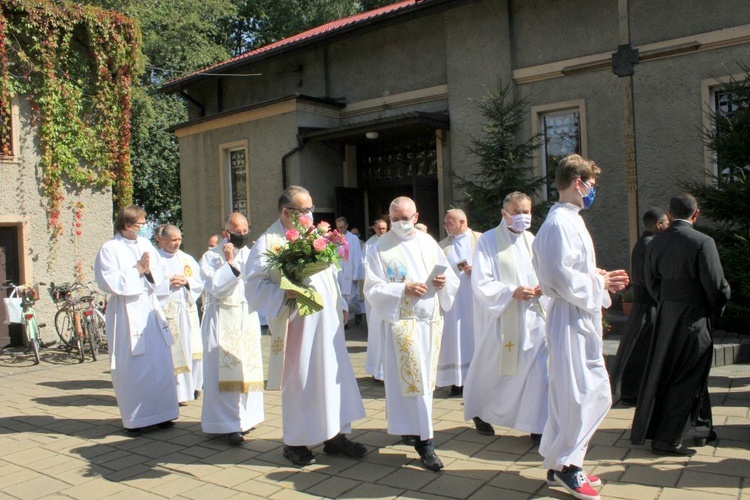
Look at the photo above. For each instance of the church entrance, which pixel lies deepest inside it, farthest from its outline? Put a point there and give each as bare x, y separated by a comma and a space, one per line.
10, 270
401, 167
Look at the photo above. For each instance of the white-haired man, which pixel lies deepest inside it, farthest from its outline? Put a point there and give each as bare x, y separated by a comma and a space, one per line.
410, 283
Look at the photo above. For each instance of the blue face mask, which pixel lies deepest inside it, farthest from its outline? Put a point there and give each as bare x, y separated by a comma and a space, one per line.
143, 232
588, 199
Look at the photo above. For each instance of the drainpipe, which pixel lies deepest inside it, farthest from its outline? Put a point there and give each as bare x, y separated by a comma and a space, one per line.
190, 98
623, 62
284, 177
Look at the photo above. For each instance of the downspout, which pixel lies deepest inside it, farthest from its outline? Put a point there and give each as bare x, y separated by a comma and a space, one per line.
284, 177
188, 97
623, 62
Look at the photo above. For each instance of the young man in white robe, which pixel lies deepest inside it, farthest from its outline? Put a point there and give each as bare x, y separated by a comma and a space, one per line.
232, 359
178, 293
128, 268
375, 325
309, 362
457, 346
351, 268
579, 391
410, 283
507, 381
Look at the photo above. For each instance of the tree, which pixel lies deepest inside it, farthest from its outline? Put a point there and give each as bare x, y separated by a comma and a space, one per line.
172, 45
503, 161
726, 201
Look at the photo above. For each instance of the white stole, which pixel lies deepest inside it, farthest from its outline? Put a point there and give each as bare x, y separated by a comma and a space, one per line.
510, 320
404, 330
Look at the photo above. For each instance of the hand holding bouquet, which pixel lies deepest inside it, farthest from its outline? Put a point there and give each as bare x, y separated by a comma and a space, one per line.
308, 250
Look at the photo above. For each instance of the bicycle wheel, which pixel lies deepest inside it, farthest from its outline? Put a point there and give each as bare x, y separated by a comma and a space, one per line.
64, 329
91, 336
32, 333
79, 346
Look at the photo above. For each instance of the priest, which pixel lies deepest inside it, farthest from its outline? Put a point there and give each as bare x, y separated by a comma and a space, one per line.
309, 362
507, 380
457, 346
128, 268
233, 362
626, 371
685, 277
351, 268
375, 327
565, 263
410, 283
178, 293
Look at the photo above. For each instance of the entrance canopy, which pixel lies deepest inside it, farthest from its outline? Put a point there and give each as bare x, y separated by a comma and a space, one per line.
388, 129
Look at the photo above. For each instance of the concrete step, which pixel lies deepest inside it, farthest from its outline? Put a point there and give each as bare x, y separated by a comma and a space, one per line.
729, 348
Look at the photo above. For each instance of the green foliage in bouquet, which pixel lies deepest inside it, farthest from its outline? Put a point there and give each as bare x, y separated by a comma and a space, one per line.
307, 251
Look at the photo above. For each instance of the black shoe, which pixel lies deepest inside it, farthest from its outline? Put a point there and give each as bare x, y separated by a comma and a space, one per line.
341, 445
665, 449
701, 441
166, 425
431, 461
181, 404
536, 438
483, 428
196, 394
456, 391
299, 455
135, 432
357, 319
410, 440
235, 438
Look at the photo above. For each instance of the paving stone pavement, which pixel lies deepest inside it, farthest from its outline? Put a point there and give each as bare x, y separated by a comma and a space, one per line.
61, 437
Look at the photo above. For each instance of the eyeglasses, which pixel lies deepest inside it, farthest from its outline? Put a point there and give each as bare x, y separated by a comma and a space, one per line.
403, 219
304, 210
595, 187
139, 224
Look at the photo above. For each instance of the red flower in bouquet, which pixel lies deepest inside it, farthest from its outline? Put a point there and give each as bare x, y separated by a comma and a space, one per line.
292, 235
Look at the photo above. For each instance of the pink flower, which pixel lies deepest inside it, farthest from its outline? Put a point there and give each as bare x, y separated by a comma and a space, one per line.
292, 235
319, 244
324, 227
306, 220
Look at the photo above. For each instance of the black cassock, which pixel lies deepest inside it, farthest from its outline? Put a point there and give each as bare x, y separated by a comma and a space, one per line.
684, 275
626, 371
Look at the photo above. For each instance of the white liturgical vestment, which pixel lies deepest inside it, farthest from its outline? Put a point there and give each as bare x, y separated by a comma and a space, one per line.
139, 344
320, 396
579, 392
182, 315
457, 347
496, 396
414, 326
375, 326
224, 410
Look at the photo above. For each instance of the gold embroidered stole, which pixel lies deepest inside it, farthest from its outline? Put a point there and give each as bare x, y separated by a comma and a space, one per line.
405, 330
240, 358
179, 359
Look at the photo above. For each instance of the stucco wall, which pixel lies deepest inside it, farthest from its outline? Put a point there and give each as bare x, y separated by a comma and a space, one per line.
478, 55
268, 140
669, 117
654, 21
21, 200
545, 31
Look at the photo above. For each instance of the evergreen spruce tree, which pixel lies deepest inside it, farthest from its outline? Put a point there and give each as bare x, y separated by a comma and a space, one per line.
726, 201
503, 160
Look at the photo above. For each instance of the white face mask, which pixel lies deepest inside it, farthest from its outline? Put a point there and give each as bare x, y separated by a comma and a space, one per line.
403, 228
521, 222
306, 220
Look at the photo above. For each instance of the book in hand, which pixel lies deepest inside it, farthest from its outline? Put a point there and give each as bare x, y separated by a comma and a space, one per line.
436, 271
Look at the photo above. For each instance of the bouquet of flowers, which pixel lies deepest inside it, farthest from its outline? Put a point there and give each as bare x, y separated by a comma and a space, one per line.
308, 250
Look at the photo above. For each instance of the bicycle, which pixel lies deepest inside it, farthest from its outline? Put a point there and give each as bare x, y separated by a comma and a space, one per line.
79, 320
21, 311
